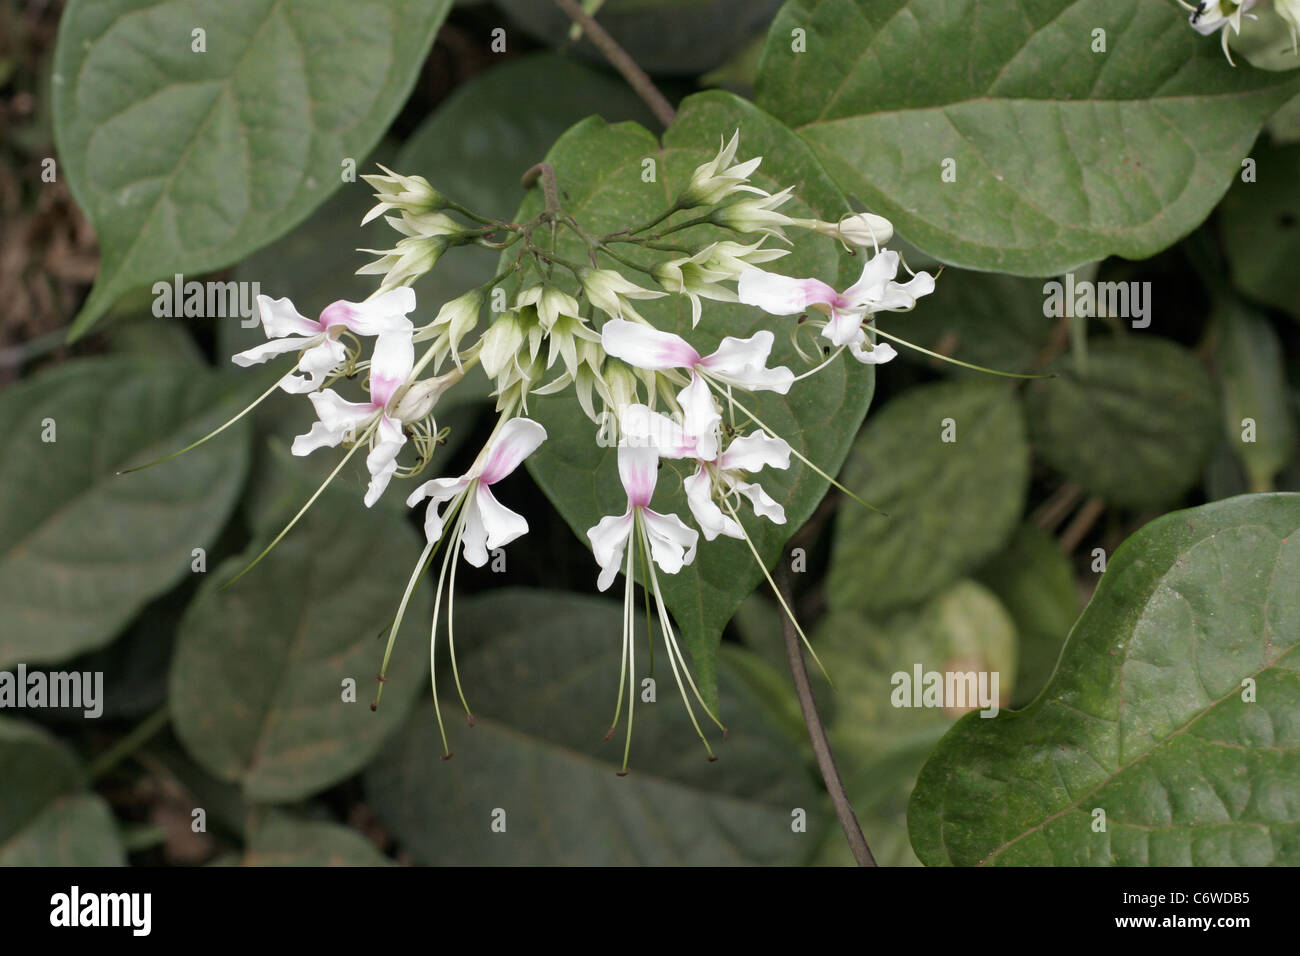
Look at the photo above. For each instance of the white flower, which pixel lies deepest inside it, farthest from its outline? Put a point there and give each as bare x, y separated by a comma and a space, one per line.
672, 543
340, 421
722, 477
405, 193
700, 275
1210, 15
875, 291
485, 523
737, 362
317, 341
756, 214
718, 178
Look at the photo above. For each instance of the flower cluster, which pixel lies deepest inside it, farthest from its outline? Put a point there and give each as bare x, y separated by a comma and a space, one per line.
577, 325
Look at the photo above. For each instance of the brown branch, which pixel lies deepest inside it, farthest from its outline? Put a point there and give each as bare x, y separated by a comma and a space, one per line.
817, 730
621, 61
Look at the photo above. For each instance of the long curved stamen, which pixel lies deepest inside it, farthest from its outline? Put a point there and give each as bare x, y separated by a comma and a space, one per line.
754, 418
953, 361
417, 575
448, 555
777, 591
213, 434
833, 357
674, 653
670, 639
630, 644
451, 597
303, 510
622, 660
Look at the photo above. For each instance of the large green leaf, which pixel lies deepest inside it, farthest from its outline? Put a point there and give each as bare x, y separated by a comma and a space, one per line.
1063, 156
1036, 583
1260, 226
949, 504
541, 671
1133, 426
82, 549
1145, 717
600, 168
879, 746
186, 161
257, 677
47, 818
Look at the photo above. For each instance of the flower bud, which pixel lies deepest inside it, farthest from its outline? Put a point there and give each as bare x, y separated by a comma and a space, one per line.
500, 343
420, 397
407, 194
864, 230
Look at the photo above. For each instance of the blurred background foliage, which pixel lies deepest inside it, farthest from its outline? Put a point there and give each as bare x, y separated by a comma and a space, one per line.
229, 700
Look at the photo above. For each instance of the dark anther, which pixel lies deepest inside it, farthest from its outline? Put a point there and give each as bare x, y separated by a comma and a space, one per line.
621, 773
469, 719
446, 756
609, 734
381, 678
374, 705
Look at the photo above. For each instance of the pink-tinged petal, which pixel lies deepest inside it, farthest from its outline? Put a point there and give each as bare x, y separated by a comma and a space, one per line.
877, 273
742, 362
764, 505
638, 469
280, 318
782, 295
899, 297
382, 460
259, 354
383, 313
608, 543
518, 439
879, 354
645, 347
755, 451
500, 523
699, 497
339, 421
438, 491
672, 541
641, 426
700, 418
390, 365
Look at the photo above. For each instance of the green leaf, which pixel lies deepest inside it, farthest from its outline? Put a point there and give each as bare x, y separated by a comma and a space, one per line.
1145, 717
1036, 584
84, 549
1253, 378
995, 321
257, 680
1260, 226
281, 840
600, 169
47, 818
880, 746
186, 161
950, 504
1133, 427
541, 671
1063, 156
